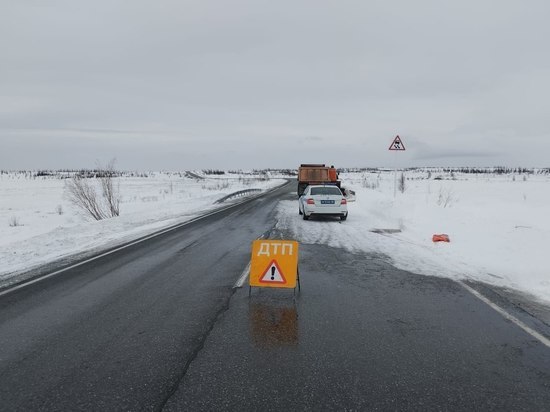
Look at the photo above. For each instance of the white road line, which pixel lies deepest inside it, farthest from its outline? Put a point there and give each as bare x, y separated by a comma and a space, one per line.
506, 315
57, 272
240, 282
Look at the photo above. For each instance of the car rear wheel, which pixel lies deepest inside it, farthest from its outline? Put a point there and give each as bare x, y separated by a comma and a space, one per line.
343, 217
306, 217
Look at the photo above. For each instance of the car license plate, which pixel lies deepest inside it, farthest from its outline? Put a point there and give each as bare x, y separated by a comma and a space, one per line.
327, 202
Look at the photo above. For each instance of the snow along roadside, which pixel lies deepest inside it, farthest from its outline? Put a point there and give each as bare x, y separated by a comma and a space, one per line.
95, 249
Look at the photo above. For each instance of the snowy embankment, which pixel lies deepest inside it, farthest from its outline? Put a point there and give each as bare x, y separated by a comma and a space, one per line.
39, 225
498, 226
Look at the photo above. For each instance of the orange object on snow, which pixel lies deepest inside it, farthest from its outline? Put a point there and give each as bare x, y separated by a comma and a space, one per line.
440, 238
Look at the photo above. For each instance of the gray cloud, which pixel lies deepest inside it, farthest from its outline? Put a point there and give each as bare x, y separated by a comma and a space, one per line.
190, 84
455, 154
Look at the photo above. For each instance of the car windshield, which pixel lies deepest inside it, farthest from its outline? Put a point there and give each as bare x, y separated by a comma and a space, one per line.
326, 191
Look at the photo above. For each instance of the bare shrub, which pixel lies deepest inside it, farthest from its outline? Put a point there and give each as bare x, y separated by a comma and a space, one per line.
149, 199
82, 193
111, 196
367, 184
14, 221
445, 197
401, 183
221, 185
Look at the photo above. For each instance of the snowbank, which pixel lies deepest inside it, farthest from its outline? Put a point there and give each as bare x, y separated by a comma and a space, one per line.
48, 227
498, 226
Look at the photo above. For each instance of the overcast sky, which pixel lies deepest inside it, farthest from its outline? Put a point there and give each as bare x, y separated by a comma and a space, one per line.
175, 84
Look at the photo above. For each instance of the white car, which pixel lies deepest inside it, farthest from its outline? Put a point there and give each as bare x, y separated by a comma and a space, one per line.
323, 200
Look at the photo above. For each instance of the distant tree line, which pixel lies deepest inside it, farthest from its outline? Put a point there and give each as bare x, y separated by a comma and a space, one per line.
285, 172
99, 173
213, 172
83, 173
471, 170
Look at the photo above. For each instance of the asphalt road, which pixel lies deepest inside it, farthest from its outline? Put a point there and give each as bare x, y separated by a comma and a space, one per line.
159, 326
363, 335
118, 333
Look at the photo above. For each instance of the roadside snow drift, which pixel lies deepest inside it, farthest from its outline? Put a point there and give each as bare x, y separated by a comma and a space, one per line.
39, 225
498, 225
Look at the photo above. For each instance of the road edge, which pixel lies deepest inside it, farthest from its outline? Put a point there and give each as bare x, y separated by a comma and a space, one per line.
5, 290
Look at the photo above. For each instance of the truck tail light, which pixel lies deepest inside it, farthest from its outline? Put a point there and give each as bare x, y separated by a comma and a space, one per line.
344, 202
310, 201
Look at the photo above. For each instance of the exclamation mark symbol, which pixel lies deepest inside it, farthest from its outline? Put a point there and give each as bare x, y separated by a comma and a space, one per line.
272, 272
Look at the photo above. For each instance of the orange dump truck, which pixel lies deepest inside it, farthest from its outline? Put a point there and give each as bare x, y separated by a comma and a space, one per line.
316, 174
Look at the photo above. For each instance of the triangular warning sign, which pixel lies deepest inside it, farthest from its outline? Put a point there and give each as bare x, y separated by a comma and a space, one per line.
273, 274
397, 144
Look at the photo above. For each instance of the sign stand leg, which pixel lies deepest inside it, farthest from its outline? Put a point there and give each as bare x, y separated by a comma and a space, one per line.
299, 286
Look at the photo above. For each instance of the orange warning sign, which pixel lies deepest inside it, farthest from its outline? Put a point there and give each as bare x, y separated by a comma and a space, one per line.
274, 263
397, 144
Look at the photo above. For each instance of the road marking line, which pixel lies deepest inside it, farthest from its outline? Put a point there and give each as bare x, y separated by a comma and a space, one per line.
143, 239
240, 282
544, 340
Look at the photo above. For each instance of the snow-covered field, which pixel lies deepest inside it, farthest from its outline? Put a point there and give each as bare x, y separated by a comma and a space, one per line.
38, 224
498, 225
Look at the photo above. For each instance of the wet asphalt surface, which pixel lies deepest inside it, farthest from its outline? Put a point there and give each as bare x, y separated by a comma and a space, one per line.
362, 335
159, 326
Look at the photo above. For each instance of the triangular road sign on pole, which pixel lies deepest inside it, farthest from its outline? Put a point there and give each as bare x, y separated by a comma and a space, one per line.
397, 144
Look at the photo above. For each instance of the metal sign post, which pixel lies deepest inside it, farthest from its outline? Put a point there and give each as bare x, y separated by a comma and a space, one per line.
397, 145
395, 176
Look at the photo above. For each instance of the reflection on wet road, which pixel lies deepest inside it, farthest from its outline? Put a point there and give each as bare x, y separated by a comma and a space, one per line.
273, 323
363, 335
